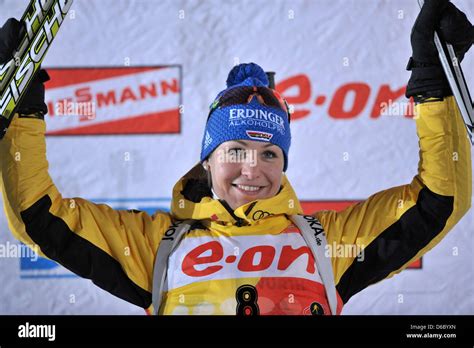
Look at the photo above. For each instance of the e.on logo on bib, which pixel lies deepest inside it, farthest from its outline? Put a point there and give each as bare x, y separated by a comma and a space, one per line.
124, 100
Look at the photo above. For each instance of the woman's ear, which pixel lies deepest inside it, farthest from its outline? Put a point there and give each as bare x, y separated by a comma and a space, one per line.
205, 165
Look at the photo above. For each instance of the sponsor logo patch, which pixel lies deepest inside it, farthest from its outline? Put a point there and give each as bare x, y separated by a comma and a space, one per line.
259, 135
125, 100
204, 258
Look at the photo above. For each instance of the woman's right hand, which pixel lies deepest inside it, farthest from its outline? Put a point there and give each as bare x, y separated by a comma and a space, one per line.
10, 38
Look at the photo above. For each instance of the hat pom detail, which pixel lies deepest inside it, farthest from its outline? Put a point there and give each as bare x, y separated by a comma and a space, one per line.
250, 73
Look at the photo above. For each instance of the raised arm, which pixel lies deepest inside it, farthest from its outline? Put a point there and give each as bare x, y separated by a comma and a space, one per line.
397, 226
115, 249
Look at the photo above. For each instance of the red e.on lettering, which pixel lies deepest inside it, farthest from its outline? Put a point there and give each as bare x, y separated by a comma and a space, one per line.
361, 92
194, 258
246, 263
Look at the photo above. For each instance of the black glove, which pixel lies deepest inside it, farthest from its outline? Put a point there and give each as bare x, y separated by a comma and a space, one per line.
33, 100
428, 78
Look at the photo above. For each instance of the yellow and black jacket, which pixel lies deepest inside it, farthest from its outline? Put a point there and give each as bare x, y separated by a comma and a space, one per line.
256, 244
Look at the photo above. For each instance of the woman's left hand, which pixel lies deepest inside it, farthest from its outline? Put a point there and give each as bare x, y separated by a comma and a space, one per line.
428, 78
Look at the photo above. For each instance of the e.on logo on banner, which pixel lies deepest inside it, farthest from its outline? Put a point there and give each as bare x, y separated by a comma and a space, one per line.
125, 100
348, 101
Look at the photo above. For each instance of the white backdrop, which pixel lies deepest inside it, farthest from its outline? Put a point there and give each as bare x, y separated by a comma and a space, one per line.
331, 42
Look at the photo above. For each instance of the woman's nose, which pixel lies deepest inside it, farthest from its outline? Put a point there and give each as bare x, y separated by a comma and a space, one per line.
250, 170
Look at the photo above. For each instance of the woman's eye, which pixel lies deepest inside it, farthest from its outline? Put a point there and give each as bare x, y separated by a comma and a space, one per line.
270, 154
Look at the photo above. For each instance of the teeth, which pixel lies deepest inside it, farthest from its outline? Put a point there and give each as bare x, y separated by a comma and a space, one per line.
248, 188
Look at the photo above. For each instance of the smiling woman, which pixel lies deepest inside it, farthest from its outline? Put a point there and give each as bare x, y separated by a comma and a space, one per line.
256, 174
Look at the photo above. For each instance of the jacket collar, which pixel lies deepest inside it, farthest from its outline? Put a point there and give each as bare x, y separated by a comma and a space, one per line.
212, 211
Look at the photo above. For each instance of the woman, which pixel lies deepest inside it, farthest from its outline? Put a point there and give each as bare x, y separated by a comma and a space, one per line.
244, 253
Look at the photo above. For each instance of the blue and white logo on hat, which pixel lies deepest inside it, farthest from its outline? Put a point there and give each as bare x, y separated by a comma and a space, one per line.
207, 139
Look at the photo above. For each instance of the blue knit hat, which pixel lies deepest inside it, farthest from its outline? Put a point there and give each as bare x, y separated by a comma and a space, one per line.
252, 120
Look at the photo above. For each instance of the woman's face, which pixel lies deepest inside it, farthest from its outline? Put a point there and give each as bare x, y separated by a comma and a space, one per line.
245, 170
